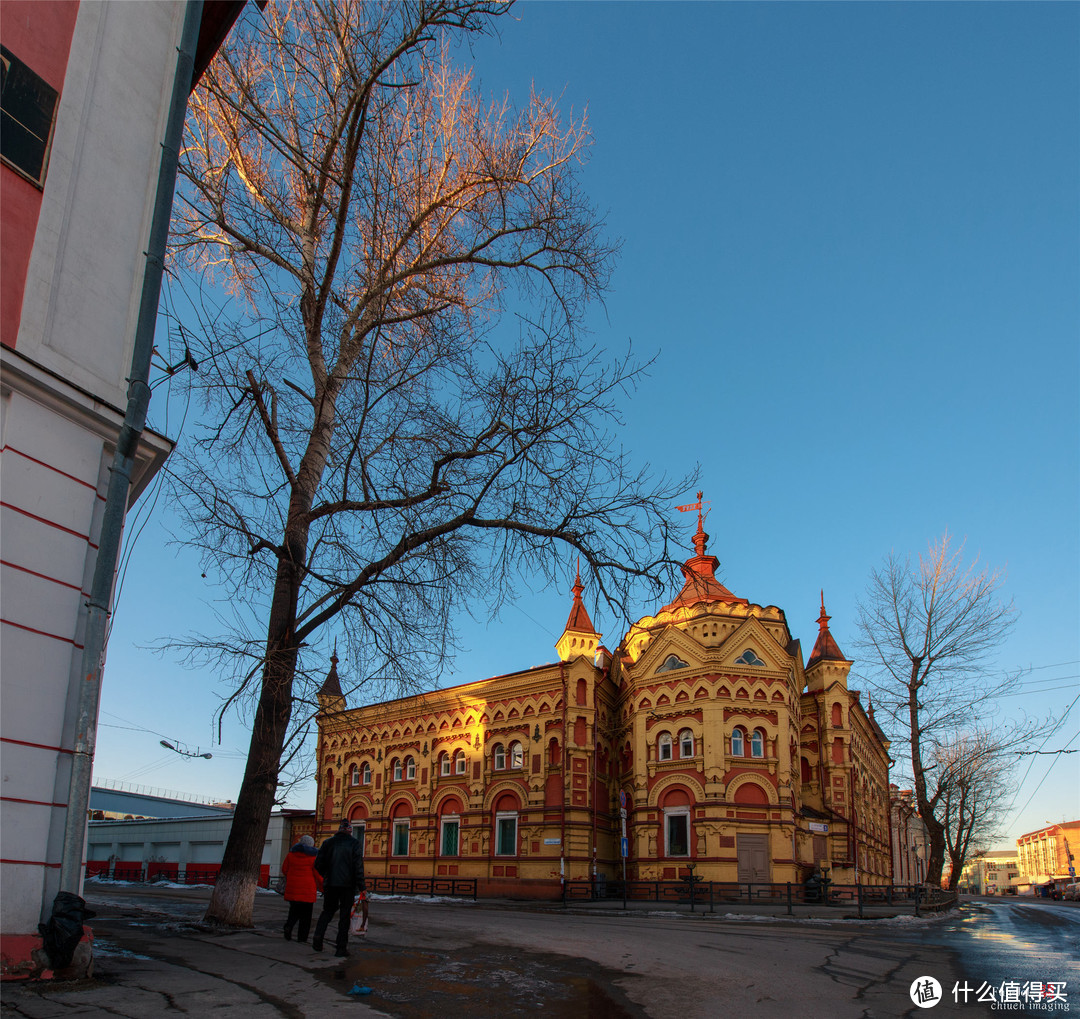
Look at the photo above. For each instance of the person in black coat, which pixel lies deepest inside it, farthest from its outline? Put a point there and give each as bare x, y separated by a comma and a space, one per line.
340, 861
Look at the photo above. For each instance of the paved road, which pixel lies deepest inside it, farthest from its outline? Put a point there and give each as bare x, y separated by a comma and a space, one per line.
451, 960
1013, 942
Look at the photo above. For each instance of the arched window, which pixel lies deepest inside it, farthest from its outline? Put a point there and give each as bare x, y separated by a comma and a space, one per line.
400, 844
506, 826
354, 775
444, 763
676, 831
837, 716
749, 657
397, 769
686, 743
365, 774
410, 768
738, 742
517, 756
499, 757
554, 756
663, 747
804, 766
459, 763
757, 744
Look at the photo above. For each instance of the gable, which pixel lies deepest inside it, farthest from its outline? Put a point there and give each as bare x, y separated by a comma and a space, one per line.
751, 649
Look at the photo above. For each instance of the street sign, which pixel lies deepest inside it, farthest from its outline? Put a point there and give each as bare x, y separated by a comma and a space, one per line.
1072, 872
625, 847
819, 826
623, 799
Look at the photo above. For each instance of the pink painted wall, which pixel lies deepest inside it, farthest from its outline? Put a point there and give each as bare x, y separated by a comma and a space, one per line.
39, 33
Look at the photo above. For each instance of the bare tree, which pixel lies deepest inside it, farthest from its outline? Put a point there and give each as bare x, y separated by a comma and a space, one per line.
928, 633
973, 775
379, 458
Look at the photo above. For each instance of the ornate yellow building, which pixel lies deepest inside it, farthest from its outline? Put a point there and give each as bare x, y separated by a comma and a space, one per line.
728, 753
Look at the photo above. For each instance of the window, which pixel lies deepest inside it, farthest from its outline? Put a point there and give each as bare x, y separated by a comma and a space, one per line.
671, 663
663, 746
686, 743
444, 763
748, 657
738, 748
365, 774
401, 838
27, 112
451, 830
354, 775
677, 831
359, 830
517, 756
506, 834
757, 744
499, 761
410, 768
459, 762
397, 770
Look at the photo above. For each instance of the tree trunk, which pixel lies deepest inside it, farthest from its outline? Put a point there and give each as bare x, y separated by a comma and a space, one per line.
234, 893
935, 831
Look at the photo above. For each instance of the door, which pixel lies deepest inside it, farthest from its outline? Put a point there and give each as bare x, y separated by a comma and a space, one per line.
753, 851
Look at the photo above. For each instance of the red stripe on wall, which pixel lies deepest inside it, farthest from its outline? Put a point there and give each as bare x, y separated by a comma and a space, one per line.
50, 467
43, 576
41, 633
33, 803
32, 863
37, 746
48, 523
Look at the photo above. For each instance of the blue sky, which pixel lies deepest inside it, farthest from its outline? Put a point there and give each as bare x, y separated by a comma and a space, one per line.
850, 237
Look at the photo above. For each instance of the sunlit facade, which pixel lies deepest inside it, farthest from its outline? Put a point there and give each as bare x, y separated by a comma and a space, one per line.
1046, 855
731, 757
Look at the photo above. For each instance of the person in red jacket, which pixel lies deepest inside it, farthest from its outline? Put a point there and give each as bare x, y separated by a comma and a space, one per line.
302, 885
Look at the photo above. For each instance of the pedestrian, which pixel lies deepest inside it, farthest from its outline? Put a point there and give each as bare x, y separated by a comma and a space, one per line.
302, 886
341, 863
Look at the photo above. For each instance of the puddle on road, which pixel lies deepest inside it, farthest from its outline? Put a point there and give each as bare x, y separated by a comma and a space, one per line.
482, 984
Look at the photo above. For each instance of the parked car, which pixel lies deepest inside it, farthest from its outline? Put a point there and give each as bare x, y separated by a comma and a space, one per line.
1072, 891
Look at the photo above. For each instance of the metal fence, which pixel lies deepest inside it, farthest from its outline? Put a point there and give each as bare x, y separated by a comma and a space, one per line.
451, 887
710, 894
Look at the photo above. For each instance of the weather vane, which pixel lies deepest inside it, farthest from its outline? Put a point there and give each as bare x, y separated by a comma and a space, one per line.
691, 507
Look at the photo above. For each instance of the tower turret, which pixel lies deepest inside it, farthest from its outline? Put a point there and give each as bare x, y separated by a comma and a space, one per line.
579, 637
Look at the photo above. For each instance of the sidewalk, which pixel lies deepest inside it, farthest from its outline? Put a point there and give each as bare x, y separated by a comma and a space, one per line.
153, 955
157, 957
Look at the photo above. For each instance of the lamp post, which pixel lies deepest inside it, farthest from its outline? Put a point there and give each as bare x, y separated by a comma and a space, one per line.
184, 753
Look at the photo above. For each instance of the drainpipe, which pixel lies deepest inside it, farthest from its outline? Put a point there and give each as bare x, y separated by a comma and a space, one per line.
565, 768
127, 444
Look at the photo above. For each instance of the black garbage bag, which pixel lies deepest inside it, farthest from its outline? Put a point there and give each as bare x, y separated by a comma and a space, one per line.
61, 935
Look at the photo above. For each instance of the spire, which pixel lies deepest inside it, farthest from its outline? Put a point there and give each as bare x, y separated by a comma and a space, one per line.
330, 696
579, 620
579, 636
700, 572
825, 649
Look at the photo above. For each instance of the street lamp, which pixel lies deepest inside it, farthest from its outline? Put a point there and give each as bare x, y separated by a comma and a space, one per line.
184, 753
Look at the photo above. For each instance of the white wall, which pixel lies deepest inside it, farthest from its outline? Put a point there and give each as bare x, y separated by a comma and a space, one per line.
63, 390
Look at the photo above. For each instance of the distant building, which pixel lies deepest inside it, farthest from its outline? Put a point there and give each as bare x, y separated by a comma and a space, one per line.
184, 848
910, 841
728, 755
117, 804
991, 873
1047, 857
87, 93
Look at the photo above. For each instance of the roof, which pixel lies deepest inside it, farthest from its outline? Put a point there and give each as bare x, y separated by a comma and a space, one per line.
700, 572
579, 620
331, 685
825, 648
